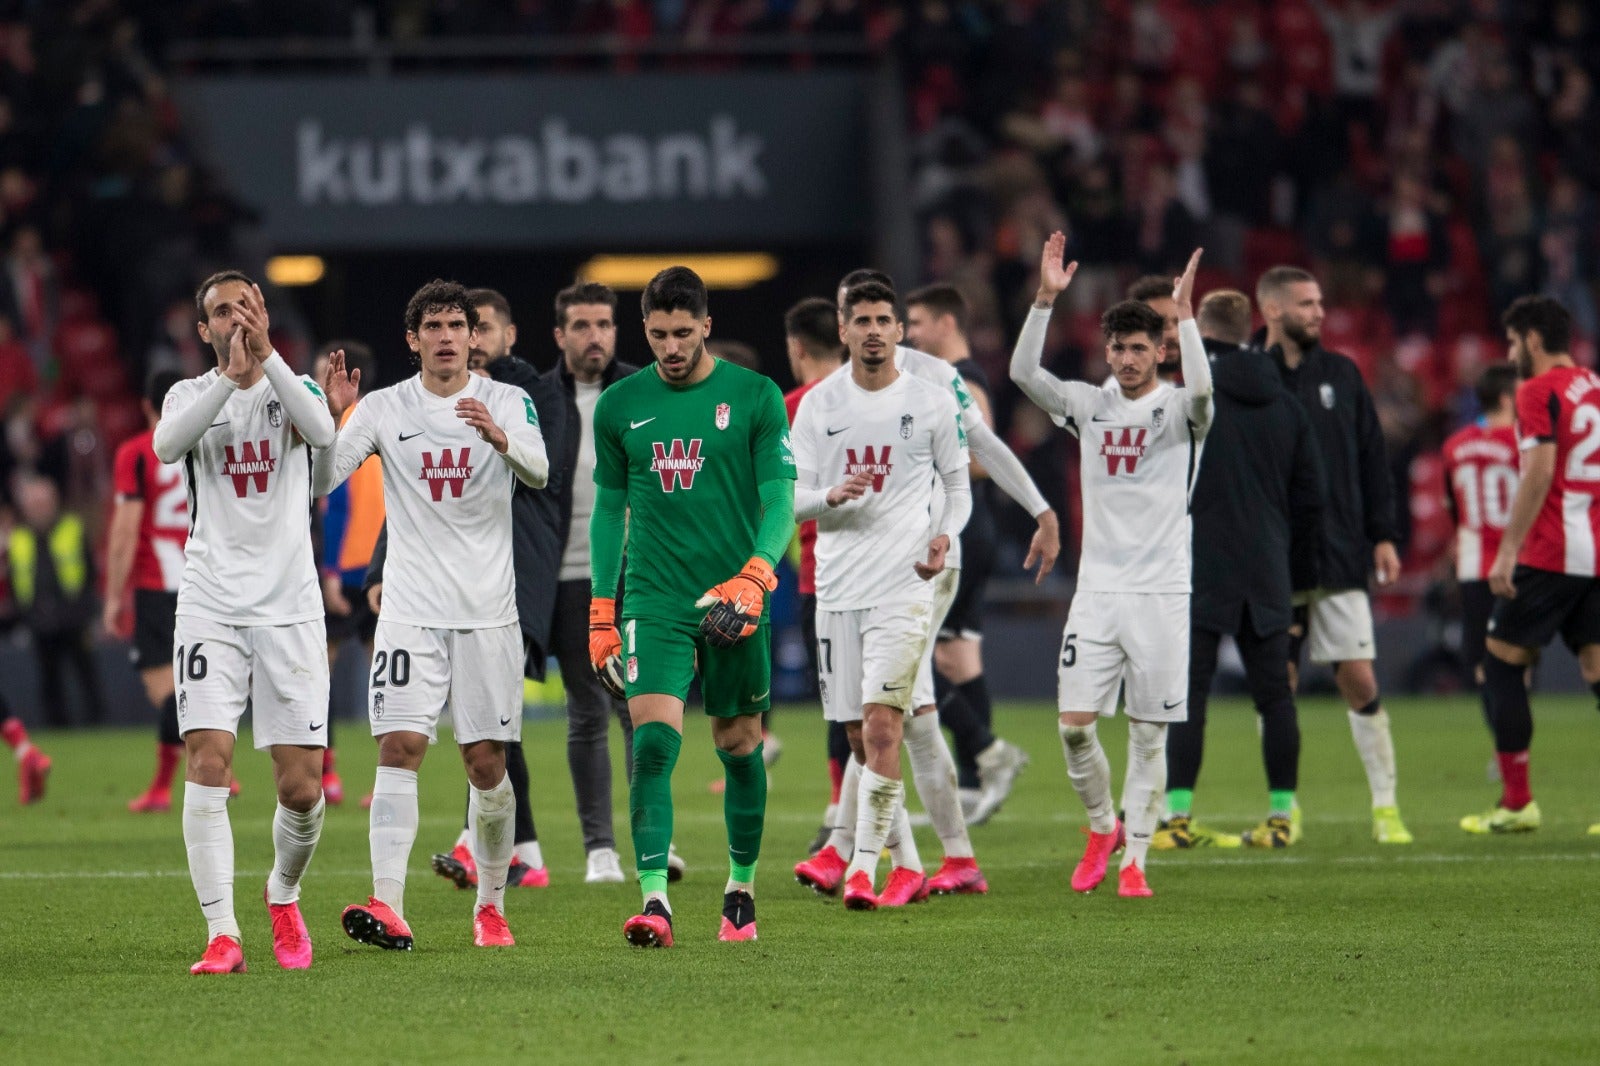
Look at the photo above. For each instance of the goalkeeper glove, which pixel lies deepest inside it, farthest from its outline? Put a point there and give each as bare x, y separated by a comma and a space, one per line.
605, 645
736, 604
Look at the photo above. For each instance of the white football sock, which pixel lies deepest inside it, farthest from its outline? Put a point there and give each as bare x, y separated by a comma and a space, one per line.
1143, 790
830, 813
843, 837
392, 830
294, 841
464, 839
933, 771
1375, 745
490, 813
528, 853
901, 844
208, 837
1090, 774
879, 796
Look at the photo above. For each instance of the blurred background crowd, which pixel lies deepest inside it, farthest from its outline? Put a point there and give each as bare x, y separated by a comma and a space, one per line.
1430, 160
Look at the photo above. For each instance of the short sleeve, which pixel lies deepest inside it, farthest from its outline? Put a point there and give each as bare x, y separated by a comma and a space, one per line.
125, 473
610, 462
770, 447
1537, 410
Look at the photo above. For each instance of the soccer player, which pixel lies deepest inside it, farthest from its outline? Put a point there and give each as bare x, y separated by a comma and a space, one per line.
148, 527
1357, 524
1480, 482
1545, 568
1155, 292
887, 435
249, 621
811, 337
447, 635
986, 766
692, 465
1129, 622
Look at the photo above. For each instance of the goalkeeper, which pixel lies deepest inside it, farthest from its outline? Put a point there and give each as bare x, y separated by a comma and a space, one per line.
693, 469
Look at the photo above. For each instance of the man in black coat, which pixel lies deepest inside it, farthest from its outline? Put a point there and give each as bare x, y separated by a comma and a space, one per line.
1256, 507
1358, 523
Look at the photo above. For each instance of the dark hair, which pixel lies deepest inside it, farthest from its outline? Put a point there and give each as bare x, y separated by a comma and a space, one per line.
212, 282
583, 292
357, 356
861, 277
1542, 314
1497, 381
676, 288
869, 292
814, 322
736, 352
158, 384
942, 300
1131, 316
1225, 315
1275, 280
440, 295
491, 298
1150, 287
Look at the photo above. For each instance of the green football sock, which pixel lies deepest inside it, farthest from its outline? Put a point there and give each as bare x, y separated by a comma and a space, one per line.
1180, 801
655, 753
744, 809
1280, 802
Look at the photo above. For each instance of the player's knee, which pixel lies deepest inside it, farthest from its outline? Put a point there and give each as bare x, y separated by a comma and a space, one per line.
1147, 741
209, 766
1078, 737
1359, 686
301, 793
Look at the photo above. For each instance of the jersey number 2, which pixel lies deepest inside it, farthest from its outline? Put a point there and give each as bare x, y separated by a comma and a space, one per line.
397, 665
1585, 420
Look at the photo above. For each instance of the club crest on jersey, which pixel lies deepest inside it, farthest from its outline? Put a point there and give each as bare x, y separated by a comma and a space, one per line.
377, 705
1129, 449
724, 414
183, 704
677, 464
906, 424
1325, 391
1157, 418
449, 470
869, 462
275, 414
252, 463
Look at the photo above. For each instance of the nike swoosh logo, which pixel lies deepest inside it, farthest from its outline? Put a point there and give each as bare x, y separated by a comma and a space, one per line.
833, 432
500, 887
647, 858
635, 425
224, 422
761, 696
1165, 706
213, 903
407, 436
316, 727
506, 720
895, 688
1097, 418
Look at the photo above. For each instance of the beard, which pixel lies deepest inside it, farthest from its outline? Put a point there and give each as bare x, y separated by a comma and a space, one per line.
1524, 364
1304, 336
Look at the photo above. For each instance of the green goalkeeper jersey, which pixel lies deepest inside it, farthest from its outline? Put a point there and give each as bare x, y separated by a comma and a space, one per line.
691, 460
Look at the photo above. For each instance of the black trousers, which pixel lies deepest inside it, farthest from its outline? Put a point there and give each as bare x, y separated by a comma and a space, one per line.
58, 653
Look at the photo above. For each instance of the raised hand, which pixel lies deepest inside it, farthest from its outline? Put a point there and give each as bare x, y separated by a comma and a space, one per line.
239, 362
852, 488
1183, 287
1053, 276
339, 385
476, 415
256, 325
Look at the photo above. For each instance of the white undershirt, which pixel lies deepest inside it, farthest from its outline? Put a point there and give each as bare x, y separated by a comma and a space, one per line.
575, 559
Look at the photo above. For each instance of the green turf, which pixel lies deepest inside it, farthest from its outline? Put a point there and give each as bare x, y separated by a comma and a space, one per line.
1456, 949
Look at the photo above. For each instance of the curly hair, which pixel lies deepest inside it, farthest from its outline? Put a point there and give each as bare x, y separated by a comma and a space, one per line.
440, 295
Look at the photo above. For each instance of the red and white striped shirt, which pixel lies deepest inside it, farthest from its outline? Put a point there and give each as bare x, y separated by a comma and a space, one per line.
1480, 477
1562, 406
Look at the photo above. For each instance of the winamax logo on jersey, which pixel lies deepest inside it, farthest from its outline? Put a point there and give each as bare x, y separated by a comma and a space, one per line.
1129, 450
250, 464
677, 463
447, 471
871, 462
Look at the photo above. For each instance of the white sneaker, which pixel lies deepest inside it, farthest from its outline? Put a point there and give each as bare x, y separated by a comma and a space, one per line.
771, 750
675, 864
998, 767
605, 867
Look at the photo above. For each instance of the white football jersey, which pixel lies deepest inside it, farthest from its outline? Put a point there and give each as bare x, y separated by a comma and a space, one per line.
1137, 461
248, 557
906, 436
447, 497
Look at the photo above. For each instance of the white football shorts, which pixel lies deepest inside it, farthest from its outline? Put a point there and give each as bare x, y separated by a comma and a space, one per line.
1139, 641
870, 656
280, 672
1340, 626
418, 673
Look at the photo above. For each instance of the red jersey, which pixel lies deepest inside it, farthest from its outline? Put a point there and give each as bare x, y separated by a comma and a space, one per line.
164, 526
808, 530
1562, 406
1480, 480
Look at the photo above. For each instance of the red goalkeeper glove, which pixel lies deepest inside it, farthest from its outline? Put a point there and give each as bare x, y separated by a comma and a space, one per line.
736, 604
605, 645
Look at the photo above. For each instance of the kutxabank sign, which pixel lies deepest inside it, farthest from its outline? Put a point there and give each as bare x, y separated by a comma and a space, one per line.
575, 160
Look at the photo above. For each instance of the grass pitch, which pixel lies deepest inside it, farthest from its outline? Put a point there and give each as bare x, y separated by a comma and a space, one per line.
1454, 949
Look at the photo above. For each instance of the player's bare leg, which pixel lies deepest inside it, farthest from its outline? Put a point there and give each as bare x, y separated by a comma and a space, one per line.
657, 739
296, 828
208, 838
1090, 773
1369, 726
